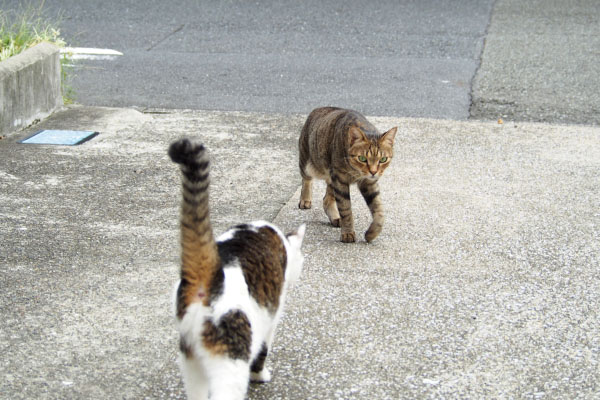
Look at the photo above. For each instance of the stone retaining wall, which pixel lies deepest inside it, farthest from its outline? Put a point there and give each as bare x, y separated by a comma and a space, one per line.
30, 87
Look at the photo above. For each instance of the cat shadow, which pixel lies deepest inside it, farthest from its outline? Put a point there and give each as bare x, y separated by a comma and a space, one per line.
327, 224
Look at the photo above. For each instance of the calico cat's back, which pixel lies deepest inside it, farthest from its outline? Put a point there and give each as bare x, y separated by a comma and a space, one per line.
259, 249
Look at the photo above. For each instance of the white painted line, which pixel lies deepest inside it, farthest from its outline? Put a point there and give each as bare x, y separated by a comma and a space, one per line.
90, 50
88, 53
90, 57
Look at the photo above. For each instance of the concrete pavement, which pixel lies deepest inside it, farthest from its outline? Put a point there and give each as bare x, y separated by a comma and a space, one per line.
483, 283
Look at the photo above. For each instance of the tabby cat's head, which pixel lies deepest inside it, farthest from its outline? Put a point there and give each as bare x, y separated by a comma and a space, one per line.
370, 156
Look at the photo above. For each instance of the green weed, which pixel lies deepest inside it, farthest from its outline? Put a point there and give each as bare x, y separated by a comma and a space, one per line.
26, 27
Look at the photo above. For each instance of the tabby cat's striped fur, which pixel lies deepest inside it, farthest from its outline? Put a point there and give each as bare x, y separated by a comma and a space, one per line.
342, 147
231, 291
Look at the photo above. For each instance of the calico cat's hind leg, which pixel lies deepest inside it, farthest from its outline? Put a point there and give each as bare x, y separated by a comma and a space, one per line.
258, 372
228, 378
194, 378
330, 206
370, 192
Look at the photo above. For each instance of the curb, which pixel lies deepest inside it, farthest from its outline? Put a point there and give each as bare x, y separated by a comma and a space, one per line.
30, 87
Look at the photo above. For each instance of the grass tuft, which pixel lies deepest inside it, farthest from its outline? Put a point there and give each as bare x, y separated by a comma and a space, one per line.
26, 27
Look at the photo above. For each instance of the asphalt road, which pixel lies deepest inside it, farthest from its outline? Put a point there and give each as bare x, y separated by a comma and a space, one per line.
406, 58
534, 60
541, 62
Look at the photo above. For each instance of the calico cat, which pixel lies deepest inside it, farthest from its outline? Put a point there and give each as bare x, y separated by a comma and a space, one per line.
342, 147
231, 292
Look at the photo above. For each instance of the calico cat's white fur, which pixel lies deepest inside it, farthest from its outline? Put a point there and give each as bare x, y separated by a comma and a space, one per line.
231, 293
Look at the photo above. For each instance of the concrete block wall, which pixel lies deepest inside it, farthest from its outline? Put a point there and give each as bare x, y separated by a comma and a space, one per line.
30, 87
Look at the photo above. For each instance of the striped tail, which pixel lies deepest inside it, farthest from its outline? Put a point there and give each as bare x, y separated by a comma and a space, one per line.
199, 255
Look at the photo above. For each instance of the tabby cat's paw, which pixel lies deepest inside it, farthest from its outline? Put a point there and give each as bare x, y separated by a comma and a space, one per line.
305, 204
372, 233
335, 222
260, 377
348, 237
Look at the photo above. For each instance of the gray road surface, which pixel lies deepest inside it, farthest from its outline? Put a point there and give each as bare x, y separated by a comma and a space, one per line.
541, 62
412, 58
534, 60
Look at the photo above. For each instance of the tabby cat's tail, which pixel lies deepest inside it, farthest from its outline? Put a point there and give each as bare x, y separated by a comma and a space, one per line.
199, 255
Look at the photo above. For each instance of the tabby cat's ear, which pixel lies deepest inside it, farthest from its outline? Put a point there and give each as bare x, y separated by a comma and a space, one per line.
355, 134
388, 137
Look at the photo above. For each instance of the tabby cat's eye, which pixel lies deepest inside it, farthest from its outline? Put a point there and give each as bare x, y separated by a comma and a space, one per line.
362, 158
383, 159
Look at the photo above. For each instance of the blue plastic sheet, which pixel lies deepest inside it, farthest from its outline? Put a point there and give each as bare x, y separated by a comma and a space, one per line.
60, 137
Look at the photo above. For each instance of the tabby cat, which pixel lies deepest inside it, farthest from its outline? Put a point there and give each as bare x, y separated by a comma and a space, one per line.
230, 295
342, 147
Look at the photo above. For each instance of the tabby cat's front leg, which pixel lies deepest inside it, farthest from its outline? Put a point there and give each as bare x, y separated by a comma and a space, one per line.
370, 191
341, 192
330, 207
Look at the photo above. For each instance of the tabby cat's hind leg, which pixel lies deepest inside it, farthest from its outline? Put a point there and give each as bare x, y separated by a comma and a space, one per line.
306, 193
330, 206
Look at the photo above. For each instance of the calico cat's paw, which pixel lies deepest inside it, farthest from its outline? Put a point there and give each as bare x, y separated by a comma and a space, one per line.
348, 237
305, 204
260, 377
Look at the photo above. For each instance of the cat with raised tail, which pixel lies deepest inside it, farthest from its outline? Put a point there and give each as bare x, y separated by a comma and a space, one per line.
231, 291
343, 148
